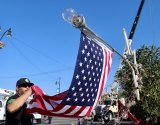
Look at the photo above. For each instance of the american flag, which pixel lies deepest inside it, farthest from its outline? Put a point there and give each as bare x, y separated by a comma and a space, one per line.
89, 78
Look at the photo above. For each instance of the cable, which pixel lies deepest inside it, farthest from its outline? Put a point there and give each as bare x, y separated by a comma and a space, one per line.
27, 59
40, 52
34, 65
37, 74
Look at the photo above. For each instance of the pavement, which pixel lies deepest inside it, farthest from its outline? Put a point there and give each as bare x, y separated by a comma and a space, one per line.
69, 121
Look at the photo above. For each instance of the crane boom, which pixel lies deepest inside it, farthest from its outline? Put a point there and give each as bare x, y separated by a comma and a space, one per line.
136, 20
128, 44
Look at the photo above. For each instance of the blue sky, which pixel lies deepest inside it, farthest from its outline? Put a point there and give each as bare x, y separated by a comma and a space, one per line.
44, 47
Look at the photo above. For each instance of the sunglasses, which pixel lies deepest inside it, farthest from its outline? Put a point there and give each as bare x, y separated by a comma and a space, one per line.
25, 85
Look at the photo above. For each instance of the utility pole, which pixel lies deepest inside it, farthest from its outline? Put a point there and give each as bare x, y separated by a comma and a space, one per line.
59, 85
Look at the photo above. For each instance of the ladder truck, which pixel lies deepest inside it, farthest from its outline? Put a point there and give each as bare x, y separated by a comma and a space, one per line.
114, 102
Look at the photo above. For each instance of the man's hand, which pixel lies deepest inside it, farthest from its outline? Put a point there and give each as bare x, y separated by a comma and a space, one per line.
18, 103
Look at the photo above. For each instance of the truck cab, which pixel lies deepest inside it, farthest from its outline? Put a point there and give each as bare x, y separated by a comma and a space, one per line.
98, 112
110, 112
112, 105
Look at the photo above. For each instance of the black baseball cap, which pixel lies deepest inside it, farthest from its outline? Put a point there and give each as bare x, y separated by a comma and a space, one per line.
24, 81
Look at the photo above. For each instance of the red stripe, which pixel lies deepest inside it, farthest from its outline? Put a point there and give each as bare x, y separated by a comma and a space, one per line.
45, 112
104, 74
58, 108
40, 102
71, 108
110, 57
80, 110
89, 111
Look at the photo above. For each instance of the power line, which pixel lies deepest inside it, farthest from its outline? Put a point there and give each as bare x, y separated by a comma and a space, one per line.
25, 57
37, 74
40, 52
33, 64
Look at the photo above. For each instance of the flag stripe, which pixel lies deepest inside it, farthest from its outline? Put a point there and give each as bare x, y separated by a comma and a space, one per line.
76, 109
103, 74
80, 110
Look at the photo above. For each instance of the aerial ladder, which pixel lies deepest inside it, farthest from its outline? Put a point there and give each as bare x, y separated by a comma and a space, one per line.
135, 72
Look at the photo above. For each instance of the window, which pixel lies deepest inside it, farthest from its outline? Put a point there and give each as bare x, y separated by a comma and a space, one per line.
0, 104
108, 102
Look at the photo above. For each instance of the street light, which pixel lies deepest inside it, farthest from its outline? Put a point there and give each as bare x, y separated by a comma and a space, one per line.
8, 33
78, 21
72, 17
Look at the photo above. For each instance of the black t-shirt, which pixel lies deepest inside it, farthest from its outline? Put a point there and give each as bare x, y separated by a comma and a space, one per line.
19, 117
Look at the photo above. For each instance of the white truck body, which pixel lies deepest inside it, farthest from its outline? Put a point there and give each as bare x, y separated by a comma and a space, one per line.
2, 110
5, 94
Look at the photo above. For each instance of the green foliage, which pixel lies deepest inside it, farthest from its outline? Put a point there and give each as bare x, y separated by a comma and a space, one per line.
149, 58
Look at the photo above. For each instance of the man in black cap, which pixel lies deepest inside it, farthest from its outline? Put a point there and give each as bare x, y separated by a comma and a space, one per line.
16, 104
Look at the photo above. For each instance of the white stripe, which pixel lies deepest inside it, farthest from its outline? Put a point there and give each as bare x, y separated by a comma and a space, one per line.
55, 103
34, 104
110, 59
100, 80
106, 71
106, 75
47, 105
84, 112
58, 102
65, 108
75, 110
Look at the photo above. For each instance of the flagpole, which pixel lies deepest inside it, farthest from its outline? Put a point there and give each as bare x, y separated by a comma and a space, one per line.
78, 21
